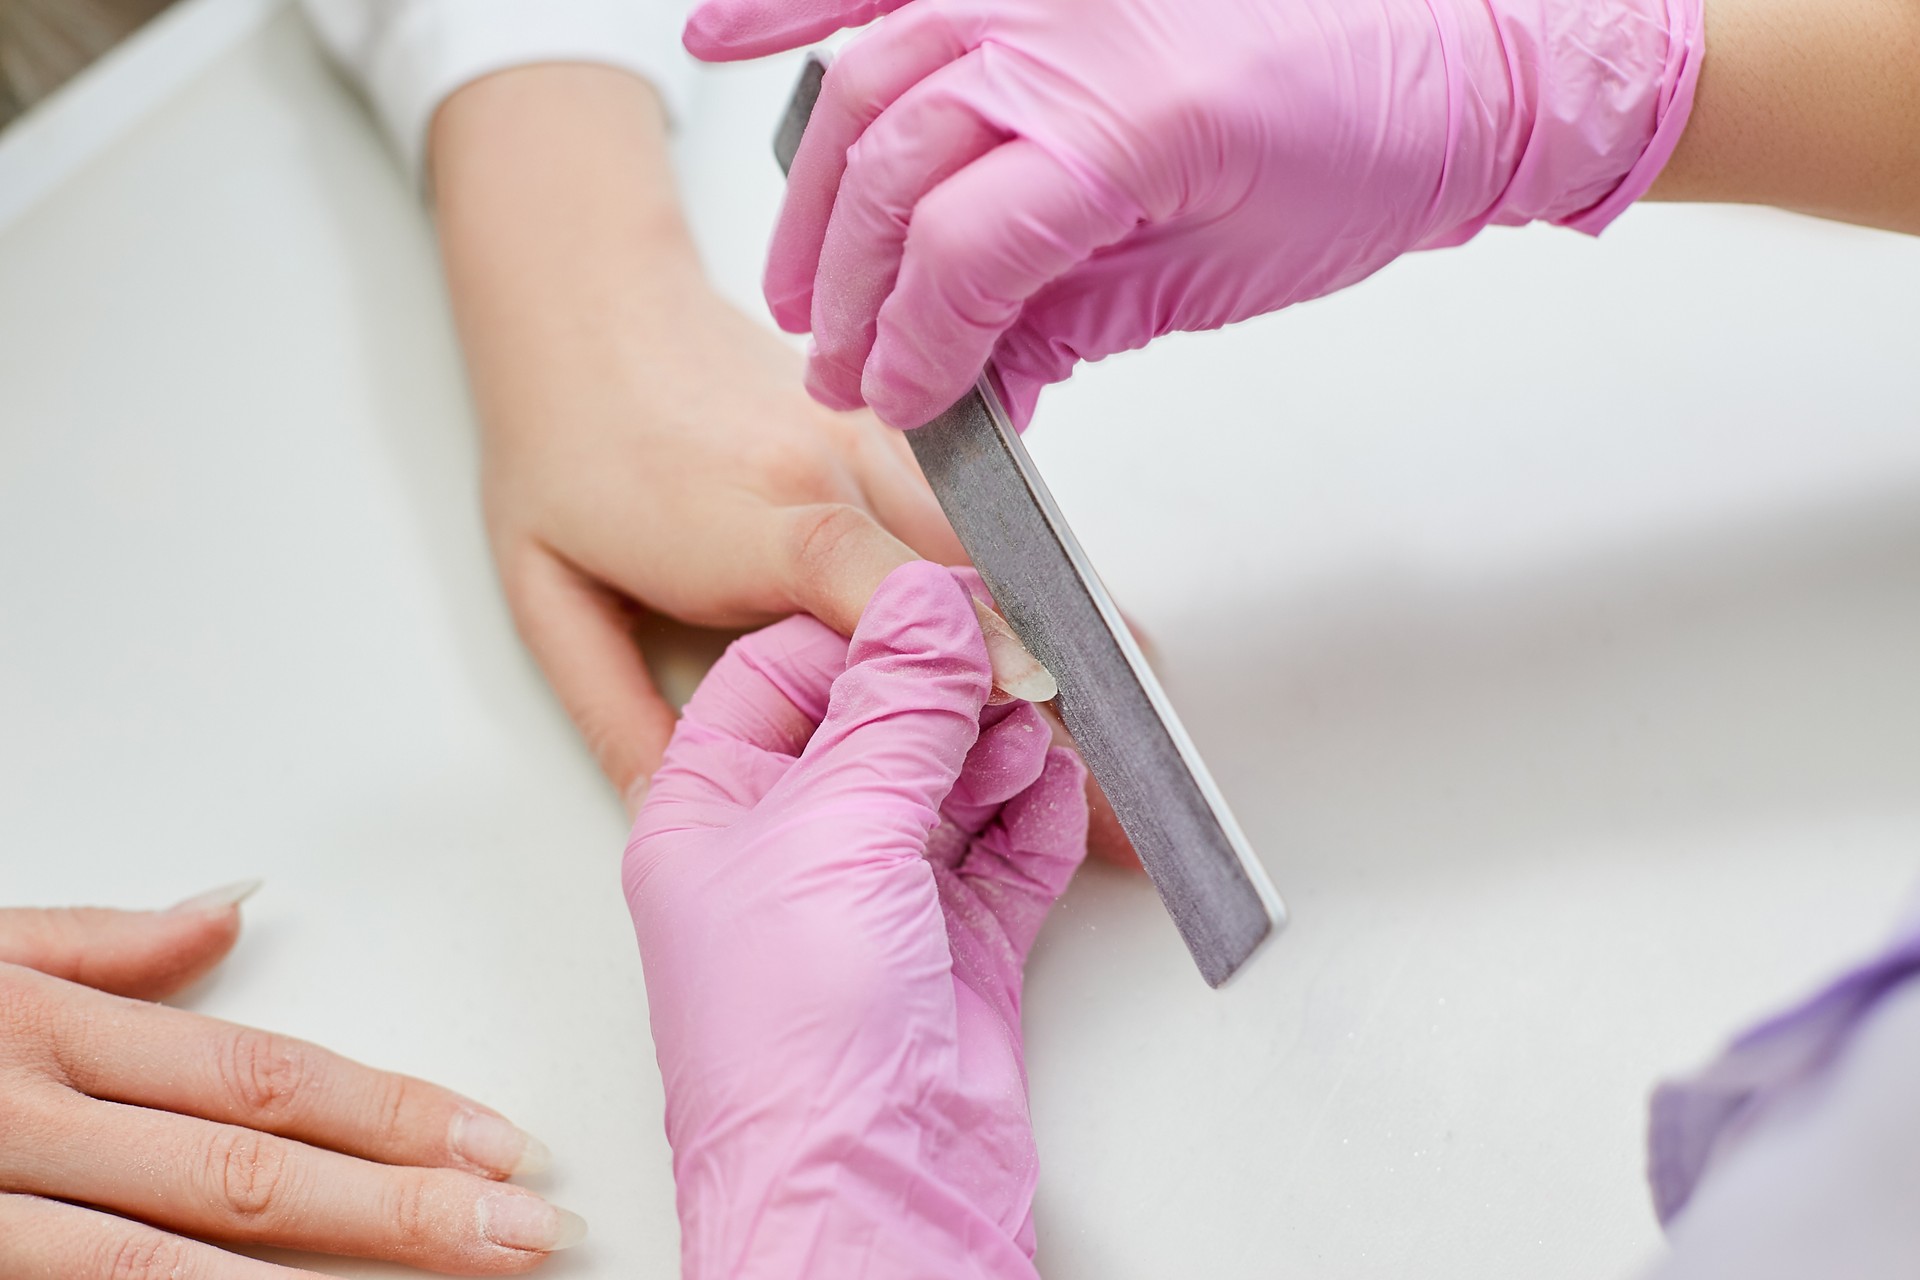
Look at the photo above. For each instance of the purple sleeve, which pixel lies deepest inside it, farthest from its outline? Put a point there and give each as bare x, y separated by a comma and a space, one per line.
1696, 1118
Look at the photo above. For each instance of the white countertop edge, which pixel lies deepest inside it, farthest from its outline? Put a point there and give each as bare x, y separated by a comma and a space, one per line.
45, 147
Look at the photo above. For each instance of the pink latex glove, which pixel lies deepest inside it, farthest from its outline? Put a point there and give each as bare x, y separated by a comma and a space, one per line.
1048, 181
833, 922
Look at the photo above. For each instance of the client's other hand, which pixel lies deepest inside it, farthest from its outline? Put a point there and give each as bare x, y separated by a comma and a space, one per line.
835, 881
153, 1115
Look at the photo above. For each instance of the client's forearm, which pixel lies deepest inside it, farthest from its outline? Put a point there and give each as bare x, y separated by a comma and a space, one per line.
1811, 105
560, 228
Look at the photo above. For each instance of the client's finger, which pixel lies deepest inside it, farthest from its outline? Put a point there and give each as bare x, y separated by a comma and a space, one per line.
1032, 851
224, 1182
902, 717
147, 954
47, 1240
109, 1048
894, 487
578, 631
837, 556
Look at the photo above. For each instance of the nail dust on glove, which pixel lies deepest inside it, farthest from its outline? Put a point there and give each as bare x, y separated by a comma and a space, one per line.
1049, 181
836, 879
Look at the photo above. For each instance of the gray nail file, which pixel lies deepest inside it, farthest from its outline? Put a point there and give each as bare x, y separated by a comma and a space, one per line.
1213, 886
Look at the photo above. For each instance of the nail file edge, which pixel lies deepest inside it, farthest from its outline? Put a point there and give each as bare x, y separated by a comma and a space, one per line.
1200, 894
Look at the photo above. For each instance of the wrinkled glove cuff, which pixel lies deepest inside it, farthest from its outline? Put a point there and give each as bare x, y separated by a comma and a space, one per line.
1594, 100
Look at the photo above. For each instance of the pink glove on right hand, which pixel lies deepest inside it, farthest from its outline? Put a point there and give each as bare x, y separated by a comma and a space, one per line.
835, 881
1048, 181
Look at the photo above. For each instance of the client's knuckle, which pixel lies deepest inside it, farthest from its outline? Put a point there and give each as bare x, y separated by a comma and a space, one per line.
24, 1012
247, 1174
36, 1118
145, 1256
265, 1074
409, 1212
820, 535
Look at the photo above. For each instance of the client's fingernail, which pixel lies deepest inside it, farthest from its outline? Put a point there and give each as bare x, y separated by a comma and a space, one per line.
528, 1222
496, 1145
1015, 670
216, 901
636, 794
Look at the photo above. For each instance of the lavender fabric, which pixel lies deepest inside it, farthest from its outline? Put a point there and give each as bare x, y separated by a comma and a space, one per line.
1694, 1121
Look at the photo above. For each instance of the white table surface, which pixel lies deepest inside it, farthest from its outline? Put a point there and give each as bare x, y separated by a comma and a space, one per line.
1549, 610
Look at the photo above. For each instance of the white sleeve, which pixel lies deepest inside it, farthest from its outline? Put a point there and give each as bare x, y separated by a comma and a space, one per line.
409, 55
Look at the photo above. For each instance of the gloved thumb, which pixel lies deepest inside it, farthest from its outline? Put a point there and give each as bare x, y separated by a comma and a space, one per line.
902, 716
144, 954
730, 30
1032, 851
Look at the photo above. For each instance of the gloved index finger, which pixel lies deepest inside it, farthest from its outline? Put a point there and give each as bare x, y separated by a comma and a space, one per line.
1007, 759
769, 690
864, 80
745, 725
902, 717
729, 30
1032, 850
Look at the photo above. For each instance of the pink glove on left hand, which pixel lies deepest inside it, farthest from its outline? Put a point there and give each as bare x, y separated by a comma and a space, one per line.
1048, 181
833, 922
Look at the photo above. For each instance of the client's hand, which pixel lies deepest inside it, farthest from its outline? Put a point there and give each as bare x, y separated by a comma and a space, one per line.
833, 921
646, 444
198, 1127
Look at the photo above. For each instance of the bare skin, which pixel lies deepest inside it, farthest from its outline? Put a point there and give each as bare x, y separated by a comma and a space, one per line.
1813, 107
646, 445
124, 1122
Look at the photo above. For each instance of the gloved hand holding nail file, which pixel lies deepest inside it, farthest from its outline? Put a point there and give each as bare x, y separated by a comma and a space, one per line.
1040, 182
1175, 818
835, 881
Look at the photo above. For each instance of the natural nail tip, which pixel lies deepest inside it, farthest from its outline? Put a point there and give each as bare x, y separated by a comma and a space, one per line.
1016, 672
526, 1222
569, 1230
218, 901
1036, 685
497, 1145
534, 1159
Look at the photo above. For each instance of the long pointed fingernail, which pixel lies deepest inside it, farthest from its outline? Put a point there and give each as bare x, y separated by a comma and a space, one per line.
1015, 670
497, 1146
217, 901
530, 1223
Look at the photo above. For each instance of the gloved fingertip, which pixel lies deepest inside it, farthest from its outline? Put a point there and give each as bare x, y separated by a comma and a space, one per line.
828, 384
1020, 395
920, 609
720, 33
698, 41
1065, 764
1008, 758
972, 583
901, 401
1050, 817
771, 687
791, 309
